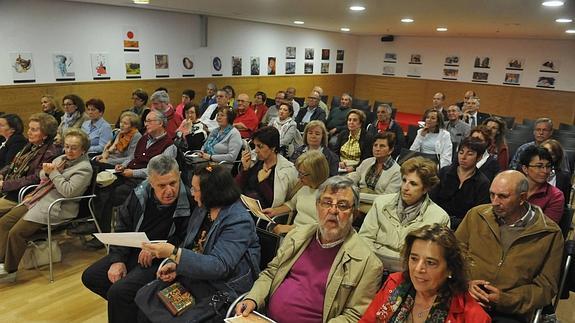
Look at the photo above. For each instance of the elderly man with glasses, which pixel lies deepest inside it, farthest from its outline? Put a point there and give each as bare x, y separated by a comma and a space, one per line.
310, 112
322, 271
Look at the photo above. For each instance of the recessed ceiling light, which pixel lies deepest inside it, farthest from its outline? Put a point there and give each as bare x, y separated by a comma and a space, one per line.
552, 3
344, 29
141, 1
570, 31
407, 20
298, 22
357, 8
563, 20
441, 29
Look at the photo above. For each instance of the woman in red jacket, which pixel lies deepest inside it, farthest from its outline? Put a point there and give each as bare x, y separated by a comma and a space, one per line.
433, 286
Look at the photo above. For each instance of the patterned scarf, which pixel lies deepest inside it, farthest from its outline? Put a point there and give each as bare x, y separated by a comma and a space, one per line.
400, 303
46, 185
21, 162
215, 137
68, 120
407, 214
123, 140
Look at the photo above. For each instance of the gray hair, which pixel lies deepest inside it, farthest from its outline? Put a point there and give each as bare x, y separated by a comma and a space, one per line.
162, 165
476, 99
212, 86
386, 106
544, 120
337, 183
349, 96
161, 116
160, 96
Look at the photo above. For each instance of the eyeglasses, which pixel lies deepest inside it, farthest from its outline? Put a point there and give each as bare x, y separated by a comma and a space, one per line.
541, 166
341, 206
72, 148
300, 174
150, 120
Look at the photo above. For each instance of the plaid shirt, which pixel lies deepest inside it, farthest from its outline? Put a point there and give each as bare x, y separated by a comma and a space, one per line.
350, 150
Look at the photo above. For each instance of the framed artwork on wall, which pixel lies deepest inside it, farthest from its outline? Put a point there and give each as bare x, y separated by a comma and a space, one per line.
254, 65
388, 69
290, 67
546, 82
216, 63
271, 65
187, 66
22, 65
325, 54
414, 71
340, 54
324, 68
338, 68
481, 77
132, 65
415, 59
549, 66
309, 53
515, 64
290, 52
390, 58
162, 65
450, 73
451, 60
236, 65
482, 62
131, 39
64, 68
308, 68
100, 66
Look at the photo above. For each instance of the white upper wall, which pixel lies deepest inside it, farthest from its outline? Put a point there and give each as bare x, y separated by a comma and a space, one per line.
434, 50
46, 27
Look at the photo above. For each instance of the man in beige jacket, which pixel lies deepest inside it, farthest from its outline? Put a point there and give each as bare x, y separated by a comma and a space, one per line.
322, 272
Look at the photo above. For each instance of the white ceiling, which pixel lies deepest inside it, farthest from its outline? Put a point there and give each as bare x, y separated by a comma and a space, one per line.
463, 18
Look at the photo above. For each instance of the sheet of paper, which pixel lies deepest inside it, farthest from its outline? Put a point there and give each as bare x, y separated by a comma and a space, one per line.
252, 317
125, 239
255, 207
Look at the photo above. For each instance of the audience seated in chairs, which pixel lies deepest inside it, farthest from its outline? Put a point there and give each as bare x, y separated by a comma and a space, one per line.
456, 127
290, 137
487, 164
160, 101
123, 145
246, 120
271, 179
192, 133
498, 148
24, 170
218, 259
462, 186
160, 207
558, 177
133, 171
68, 175
542, 131
11, 128
315, 138
273, 110
98, 129
433, 138
51, 107
379, 174
353, 143
385, 123
433, 284
393, 216
337, 119
209, 117
322, 272
73, 117
313, 170
516, 251
310, 112
224, 142
536, 164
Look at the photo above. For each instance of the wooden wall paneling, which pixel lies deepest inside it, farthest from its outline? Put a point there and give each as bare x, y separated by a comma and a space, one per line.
25, 99
414, 95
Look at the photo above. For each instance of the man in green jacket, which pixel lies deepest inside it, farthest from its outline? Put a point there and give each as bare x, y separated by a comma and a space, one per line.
322, 272
515, 251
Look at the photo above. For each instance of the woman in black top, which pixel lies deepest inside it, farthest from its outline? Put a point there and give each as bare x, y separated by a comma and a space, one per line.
11, 129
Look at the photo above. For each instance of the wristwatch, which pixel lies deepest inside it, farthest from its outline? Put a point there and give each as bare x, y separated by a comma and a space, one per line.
174, 254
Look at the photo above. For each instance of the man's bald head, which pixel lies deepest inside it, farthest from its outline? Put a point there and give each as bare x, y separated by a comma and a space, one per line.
508, 193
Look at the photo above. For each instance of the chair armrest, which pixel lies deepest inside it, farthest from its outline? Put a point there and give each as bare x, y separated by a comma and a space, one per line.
23, 190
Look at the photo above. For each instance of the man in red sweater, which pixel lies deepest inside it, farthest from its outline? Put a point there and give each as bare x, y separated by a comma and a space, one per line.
246, 121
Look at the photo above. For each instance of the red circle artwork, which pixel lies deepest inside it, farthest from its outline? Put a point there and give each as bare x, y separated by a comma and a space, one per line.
130, 34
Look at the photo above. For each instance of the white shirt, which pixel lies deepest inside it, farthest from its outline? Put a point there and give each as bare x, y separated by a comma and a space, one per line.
205, 118
295, 107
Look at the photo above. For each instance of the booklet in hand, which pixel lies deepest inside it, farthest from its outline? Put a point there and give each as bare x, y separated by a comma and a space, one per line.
255, 207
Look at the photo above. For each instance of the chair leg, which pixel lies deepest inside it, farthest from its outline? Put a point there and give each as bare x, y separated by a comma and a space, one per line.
562, 282
538, 316
50, 251
91, 208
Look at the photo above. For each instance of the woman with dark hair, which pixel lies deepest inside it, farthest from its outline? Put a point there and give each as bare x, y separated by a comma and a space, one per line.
231, 95
432, 286
225, 142
51, 107
187, 97
462, 186
69, 175
353, 143
98, 129
24, 170
74, 115
487, 164
272, 178
192, 133
11, 128
378, 174
558, 177
259, 105
433, 138
219, 258
290, 138
499, 148
393, 216
315, 138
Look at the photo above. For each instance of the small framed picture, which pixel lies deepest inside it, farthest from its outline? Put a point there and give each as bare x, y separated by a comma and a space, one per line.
325, 54
309, 53
549, 66
339, 56
415, 59
451, 60
390, 58
546, 82
481, 77
450, 73
290, 52
482, 62
512, 78
389, 70
515, 64
339, 68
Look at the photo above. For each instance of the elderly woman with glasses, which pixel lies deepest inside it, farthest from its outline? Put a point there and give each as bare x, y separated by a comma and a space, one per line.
432, 286
313, 170
536, 163
74, 116
393, 216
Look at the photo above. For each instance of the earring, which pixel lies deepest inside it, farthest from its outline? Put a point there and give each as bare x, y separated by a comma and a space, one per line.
449, 276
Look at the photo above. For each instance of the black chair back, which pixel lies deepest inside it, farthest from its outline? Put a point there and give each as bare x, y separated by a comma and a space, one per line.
335, 101
299, 100
269, 244
568, 127
566, 220
529, 122
411, 134
407, 154
324, 98
270, 102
